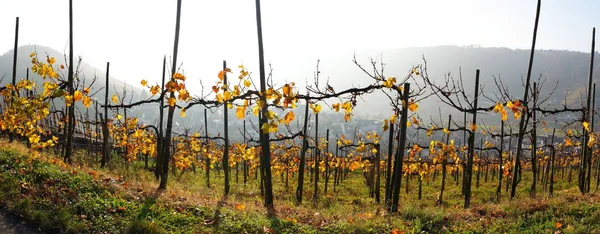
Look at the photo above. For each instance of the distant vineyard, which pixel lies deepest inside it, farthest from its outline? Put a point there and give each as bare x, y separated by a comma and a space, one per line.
459, 150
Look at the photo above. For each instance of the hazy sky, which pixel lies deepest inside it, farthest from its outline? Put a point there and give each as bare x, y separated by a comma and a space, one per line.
135, 34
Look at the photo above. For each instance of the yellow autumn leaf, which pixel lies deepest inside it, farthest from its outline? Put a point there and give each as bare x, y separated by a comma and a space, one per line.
247, 83
144, 83
119, 116
240, 112
270, 115
29, 85
236, 90
226, 96
78, 95
316, 108
269, 127
69, 100
591, 141
172, 101
347, 106
87, 101
393, 119
517, 115
34, 139
389, 82
347, 116
115, 99
586, 126
415, 71
498, 107
184, 95
386, 125
510, 105
182, 113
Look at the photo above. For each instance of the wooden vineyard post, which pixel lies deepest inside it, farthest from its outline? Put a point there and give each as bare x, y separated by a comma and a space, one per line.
160, 137
586, 153
469, 171
398, 161
226, 132
534, 168
552, 157
206, 159
326, 177
388, 171
444, 162
14, 68
166, 148
522, 125
500, 170
316, 158
106, 150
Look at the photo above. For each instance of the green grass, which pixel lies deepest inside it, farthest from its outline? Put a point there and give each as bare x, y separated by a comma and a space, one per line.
60, 199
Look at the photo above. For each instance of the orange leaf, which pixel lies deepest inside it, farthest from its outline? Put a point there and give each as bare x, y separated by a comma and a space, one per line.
154, 89
473, 127
289, 117
179, 76
240, 207
415, 121
558, 225
412, 106
336, 107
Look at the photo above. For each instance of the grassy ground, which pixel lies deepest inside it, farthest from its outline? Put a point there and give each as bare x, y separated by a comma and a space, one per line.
85, 199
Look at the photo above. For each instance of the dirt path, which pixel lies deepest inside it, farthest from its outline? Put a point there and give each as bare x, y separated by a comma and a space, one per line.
11, 224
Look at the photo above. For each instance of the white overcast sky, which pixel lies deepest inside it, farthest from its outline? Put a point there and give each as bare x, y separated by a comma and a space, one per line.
135, 34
